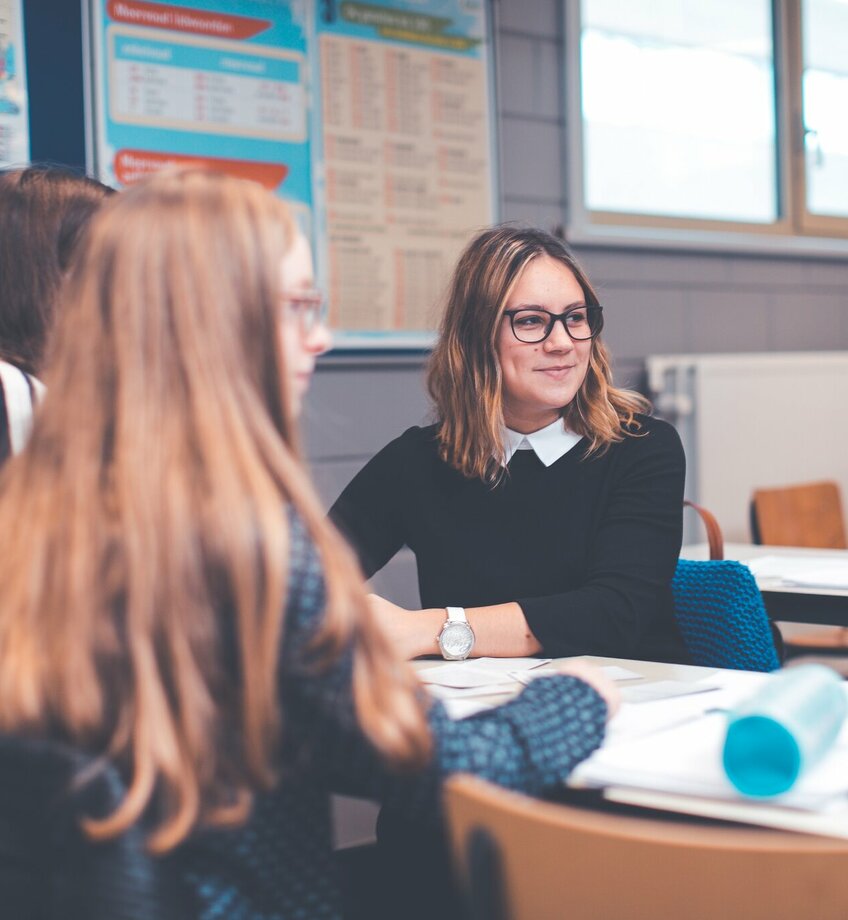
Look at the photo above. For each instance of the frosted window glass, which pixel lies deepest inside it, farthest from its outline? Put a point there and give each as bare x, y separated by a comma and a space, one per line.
825, 88
679, 109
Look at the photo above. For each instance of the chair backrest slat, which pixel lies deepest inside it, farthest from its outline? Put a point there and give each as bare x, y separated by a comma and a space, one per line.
583, 864
800, 515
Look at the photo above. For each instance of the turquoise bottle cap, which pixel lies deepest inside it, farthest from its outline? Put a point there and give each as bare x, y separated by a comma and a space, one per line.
761, 757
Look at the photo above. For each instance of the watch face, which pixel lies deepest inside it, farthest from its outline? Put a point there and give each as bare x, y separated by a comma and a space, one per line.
456, 640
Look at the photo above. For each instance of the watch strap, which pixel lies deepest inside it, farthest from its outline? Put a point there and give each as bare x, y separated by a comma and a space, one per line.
456, 615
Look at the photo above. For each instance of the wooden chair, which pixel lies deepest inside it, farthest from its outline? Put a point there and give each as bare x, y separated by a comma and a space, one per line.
799, 515
719, 609
522, 859
802, 515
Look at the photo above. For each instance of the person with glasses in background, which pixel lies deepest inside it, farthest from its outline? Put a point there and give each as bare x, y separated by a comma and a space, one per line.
175, 604
544, 506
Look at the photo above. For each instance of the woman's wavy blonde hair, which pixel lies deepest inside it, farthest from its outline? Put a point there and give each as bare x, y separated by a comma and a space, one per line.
464, 375
144, 533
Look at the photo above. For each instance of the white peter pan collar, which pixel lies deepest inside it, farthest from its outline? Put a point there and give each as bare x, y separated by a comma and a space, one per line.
550, 443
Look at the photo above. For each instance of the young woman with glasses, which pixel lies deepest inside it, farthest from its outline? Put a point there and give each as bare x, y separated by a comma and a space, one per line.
544, 506
544, 501
174, 601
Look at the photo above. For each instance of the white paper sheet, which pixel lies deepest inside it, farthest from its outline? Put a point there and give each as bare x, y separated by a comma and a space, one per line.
479, 672
801, 571
612, 671
665, 690
686, 760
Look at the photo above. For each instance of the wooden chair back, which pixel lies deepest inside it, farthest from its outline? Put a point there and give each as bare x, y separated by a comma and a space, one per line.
799, 515
533, 860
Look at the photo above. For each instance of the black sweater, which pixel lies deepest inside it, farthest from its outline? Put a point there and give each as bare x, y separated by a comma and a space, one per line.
586, 546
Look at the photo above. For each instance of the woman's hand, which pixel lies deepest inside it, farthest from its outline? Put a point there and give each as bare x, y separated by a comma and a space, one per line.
412, 632
596, 679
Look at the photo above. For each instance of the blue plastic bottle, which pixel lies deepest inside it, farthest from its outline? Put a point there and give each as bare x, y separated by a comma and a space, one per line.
783, 729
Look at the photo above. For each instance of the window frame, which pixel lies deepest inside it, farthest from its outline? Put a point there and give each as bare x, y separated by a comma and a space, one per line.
796, 231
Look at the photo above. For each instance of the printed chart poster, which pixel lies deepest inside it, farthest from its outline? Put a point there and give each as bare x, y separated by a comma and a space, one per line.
212, 81
406, 158
14, 110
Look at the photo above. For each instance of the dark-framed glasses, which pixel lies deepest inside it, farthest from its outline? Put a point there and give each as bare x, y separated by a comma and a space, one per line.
308, 308
533, 324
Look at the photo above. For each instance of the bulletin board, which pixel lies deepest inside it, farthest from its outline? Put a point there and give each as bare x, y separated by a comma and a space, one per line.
14, 107
374, 120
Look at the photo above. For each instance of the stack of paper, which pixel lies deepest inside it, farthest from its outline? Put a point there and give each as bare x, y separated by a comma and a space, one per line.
668, 755
467, 687
801, 571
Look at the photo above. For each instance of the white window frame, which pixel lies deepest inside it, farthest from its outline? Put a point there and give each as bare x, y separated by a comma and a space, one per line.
796, 232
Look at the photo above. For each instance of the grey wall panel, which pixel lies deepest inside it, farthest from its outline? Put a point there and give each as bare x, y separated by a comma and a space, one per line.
807, 321
731, 323
331, 476
531, 163
355, 408
639, 321
547, 215
530, 17
398, 581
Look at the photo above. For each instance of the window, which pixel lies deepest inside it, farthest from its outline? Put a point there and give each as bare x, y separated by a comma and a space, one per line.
825, 104
685, 114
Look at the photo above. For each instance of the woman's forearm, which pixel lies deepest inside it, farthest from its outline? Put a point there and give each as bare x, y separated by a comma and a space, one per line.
500, 631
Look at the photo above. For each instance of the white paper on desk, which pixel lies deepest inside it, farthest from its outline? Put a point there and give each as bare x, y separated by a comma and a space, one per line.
506, 665
457, 675
479, 672
801, 571
686, 760
462, 693
665, 690
831, 820
636, 719
612, 671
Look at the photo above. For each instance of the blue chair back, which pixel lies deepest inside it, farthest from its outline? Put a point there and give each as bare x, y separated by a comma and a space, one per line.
721, 616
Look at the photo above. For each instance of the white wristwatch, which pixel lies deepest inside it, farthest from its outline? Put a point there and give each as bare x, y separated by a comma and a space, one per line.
457, 637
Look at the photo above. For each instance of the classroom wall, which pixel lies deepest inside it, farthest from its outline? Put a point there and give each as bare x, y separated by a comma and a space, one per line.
656, 302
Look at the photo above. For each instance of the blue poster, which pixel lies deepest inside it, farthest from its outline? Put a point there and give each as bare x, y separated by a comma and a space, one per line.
204, 81
14, 108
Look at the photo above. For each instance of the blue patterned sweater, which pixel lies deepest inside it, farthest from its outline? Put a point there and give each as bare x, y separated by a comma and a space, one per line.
279, 865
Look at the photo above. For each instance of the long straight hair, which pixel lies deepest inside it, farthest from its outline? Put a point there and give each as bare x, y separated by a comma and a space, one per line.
464, 375
144, 527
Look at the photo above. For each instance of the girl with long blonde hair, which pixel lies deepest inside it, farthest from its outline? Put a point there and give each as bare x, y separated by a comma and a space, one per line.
172, 600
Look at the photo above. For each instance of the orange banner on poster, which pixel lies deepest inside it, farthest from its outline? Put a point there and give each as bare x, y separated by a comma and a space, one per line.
132, 165
183, 19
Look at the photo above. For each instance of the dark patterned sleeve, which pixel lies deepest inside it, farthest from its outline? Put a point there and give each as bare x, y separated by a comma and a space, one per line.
528, 744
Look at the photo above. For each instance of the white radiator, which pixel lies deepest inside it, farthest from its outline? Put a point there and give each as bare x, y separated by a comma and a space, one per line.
753, 420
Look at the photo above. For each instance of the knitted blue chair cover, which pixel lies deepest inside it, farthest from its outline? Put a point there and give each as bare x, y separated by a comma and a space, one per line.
721, 616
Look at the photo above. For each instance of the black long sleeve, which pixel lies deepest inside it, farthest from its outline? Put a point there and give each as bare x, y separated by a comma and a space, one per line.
586, 546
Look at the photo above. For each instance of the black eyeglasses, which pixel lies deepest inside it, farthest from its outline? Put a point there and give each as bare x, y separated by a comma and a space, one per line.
533, 324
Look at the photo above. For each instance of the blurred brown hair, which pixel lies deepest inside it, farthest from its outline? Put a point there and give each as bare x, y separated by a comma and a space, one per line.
43, 210
144, 533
